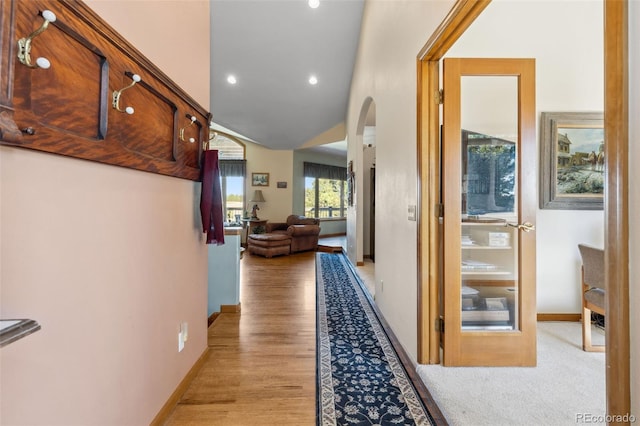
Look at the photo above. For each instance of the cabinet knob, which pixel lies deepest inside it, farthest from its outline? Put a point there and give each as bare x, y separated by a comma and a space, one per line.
29, 131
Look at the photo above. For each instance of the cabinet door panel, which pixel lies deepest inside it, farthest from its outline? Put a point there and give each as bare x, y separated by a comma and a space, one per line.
150, 130
71, 96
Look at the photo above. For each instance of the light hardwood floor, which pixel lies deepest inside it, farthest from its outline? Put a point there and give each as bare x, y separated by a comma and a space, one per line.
261, 364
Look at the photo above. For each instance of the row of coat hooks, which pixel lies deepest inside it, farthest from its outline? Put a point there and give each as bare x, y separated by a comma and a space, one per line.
135, 78
24, 56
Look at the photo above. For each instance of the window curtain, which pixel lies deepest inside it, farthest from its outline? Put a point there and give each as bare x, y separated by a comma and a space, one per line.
233, 168
324, 171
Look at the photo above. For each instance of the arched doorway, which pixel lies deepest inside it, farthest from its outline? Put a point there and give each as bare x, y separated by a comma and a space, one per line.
366, 141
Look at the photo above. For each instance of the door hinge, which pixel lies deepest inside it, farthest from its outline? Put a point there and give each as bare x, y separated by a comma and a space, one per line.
439, 210
440, 325
440, 97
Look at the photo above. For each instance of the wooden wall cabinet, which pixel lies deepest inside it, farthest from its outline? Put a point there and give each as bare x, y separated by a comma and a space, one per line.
68, 109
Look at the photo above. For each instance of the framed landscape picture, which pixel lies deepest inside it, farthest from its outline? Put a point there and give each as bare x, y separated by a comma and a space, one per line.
260, 179
572, 166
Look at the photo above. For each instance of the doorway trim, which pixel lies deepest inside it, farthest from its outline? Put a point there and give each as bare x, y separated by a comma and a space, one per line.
616, 205
616, 124
463, 13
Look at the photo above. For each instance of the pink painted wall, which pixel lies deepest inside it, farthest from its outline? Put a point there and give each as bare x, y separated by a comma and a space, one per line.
108, 260
173, 34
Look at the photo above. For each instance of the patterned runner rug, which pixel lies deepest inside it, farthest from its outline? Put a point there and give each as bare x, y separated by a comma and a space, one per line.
361, 380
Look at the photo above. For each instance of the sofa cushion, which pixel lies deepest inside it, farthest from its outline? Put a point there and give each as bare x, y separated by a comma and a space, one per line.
294, 219
297, 230
269, 251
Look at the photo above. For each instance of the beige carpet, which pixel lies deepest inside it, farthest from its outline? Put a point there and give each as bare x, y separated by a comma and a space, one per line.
566, 384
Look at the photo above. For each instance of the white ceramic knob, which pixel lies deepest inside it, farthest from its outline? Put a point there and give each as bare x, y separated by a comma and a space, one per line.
193, 118
43, 63
135, 78
129, 110
192, 140
49, 16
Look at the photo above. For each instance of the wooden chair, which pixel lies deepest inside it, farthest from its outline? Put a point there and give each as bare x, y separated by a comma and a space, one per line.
593, 292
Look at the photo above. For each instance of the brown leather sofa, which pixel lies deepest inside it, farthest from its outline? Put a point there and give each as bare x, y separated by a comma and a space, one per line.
304, 232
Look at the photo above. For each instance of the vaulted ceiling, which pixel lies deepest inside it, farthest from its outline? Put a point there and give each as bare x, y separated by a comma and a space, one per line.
272, 48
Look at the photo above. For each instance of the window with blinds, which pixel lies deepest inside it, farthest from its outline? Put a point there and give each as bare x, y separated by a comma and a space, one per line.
228, 147
233, 171
325, 190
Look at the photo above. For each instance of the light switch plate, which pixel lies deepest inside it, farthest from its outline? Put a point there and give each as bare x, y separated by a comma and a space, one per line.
184, 329
412, 212
180, 342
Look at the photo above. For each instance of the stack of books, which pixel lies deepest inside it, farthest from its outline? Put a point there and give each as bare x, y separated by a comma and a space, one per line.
475, 265
467, 241
498, 239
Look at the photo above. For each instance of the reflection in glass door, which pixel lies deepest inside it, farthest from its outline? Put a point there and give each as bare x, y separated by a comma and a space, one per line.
489, 138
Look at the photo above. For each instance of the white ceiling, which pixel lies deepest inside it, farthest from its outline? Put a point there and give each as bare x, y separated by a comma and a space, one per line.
272, 47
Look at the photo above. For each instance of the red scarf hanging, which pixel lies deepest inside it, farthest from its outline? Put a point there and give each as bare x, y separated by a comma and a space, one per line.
211, 199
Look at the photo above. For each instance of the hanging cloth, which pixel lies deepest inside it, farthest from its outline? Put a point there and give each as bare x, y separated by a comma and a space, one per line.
211, 199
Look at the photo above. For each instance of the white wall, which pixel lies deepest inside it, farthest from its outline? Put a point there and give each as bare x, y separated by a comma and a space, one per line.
108, 260
634, 202
279, 164
224, 271
569, 77
393, 32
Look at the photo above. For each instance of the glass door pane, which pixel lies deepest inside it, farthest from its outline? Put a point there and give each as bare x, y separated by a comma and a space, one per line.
489, 267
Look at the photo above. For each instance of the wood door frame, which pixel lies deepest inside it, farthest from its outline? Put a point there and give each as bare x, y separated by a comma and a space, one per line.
616, 123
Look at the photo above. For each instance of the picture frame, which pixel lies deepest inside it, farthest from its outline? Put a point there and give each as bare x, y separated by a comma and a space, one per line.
282, 185
572, 166
259, 179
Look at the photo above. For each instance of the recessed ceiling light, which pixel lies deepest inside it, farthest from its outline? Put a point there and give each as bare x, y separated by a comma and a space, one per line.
313, 80
313, 4
231, 79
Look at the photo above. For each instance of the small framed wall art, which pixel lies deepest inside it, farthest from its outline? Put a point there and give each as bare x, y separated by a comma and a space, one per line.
572, 166
259, 179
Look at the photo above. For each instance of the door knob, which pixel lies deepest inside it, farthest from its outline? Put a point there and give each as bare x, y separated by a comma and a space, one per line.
526, 227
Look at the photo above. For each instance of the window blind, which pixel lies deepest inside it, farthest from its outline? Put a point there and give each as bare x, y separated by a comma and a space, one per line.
233, 167
324, 171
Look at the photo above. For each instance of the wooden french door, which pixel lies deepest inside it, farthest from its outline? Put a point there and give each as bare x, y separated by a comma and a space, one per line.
489, 198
